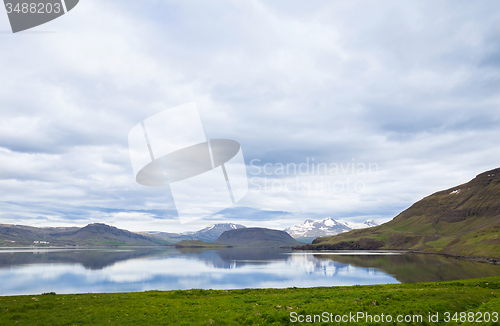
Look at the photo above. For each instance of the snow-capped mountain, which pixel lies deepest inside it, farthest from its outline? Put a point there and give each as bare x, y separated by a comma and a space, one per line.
212, 232
364, 225
325, 227
208, 234
314, 229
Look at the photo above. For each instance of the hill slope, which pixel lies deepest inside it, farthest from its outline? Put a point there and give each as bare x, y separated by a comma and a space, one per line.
96, 234
463, 220
256, 237
102, 234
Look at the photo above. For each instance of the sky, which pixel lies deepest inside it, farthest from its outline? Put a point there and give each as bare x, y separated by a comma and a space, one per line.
397, 99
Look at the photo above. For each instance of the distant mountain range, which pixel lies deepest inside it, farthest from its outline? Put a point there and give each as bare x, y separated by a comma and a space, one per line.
364, 225
208, 234
305, 232
99, 234
463, 221
310, 229
96, 234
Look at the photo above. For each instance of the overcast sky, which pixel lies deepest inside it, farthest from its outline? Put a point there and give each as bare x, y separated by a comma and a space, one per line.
409, 89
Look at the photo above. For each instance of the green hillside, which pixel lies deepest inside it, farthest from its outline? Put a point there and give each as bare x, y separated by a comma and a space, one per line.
256, 237
463, 220
96, 234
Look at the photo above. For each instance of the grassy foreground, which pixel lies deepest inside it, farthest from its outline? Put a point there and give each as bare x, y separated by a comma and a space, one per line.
253, 306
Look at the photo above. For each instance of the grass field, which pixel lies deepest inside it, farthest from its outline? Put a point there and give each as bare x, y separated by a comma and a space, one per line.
473, 298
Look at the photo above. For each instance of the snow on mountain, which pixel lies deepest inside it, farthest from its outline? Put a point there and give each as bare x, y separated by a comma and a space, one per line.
314, 229
209, 233
325, 227
212, 232
364, 225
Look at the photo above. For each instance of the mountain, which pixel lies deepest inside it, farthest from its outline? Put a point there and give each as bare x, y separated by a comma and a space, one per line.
315, 229
208, 234
364, 225
256, 237
99, 234
309, 229
463, 220
212, 232
21, 235
102, 234
91, 235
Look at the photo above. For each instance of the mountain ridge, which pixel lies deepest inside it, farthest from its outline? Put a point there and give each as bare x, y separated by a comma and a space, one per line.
208, 234
256, 237
463, 221
311, 229
95, 234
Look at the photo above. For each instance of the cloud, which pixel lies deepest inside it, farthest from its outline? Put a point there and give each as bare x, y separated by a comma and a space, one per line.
411, 87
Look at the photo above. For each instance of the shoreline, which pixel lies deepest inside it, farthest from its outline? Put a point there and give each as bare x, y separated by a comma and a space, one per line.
487, 260
480, 259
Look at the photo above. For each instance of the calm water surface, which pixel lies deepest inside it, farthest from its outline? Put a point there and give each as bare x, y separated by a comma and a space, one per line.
28, 271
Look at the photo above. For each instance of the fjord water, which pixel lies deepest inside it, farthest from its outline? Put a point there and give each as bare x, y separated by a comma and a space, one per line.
36, 271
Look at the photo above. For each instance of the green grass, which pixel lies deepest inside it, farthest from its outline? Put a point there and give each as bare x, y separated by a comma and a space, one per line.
439, 244
250, 306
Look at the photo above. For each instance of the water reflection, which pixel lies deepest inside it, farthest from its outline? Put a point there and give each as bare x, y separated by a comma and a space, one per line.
418, 268
88, 258
140, 269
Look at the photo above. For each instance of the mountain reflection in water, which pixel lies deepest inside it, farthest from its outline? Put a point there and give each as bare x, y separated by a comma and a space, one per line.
31, 271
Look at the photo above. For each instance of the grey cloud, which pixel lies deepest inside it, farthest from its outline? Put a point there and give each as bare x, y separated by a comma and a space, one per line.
409, 86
